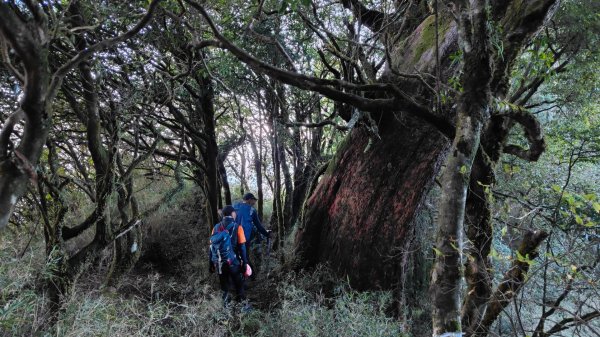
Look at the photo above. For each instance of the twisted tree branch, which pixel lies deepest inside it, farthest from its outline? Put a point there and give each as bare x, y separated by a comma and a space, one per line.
533, 131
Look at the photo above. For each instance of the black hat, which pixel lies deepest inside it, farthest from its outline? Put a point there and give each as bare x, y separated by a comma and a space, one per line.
249, 196
227, 210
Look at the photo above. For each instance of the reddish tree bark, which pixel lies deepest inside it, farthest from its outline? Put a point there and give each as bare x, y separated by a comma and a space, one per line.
359, 217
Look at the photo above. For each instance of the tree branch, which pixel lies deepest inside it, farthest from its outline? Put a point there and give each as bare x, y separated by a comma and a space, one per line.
137, 161
14, 31
71, 232
8, 63
533, 131
570, 322
86, 53
7, 130
318, 124
519, 21
513, 280
368, 17
399, 102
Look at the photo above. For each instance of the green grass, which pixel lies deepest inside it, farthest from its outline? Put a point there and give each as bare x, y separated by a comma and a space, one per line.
313, 304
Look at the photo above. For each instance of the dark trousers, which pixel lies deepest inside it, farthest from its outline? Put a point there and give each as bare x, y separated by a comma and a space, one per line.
230, 275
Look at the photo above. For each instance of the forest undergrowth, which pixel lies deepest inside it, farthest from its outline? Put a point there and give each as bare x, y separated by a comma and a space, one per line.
184, 300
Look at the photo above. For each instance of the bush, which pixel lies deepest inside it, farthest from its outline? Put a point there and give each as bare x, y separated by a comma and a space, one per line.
305, 305
21, 306
181, 300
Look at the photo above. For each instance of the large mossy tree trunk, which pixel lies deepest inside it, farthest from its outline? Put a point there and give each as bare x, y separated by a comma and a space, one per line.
359, 218
362, 211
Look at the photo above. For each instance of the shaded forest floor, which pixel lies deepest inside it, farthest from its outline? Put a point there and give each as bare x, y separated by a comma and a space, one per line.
154, 304
171, 293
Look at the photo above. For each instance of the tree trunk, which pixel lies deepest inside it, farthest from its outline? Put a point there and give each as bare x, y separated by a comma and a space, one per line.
359, 218
473, 111
258, 169
17, 165
210, 153
126, 248
305, 165
243, 182
282, 138
478, 228
278, 214
211, 181
224, 181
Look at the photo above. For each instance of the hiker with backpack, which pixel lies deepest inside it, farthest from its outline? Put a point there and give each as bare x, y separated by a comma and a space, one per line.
247, 218
228, 256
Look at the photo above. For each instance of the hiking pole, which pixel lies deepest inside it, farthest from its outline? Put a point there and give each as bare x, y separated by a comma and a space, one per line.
268, 254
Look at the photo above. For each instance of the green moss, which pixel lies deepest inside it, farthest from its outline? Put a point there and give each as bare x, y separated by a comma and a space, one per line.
426, 38
333, 163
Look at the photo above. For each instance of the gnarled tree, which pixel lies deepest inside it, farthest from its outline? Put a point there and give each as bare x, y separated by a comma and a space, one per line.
411, 97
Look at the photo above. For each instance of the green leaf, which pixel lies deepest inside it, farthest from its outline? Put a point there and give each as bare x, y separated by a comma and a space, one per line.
524, 259
510, 169
578, 220
556, 188
596, 207
454, 246
463, 169
494, 254
438, 252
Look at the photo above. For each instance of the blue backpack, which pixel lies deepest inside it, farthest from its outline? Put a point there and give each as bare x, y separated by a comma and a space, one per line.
222, 244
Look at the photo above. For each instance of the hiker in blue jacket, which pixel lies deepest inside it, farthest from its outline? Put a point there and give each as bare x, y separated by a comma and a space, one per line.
247, 217
228, 247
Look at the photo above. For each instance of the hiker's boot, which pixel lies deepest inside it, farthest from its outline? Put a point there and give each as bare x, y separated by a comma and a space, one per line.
226, 301
246, 307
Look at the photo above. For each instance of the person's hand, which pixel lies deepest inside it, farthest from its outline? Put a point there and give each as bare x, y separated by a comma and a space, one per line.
211, 268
